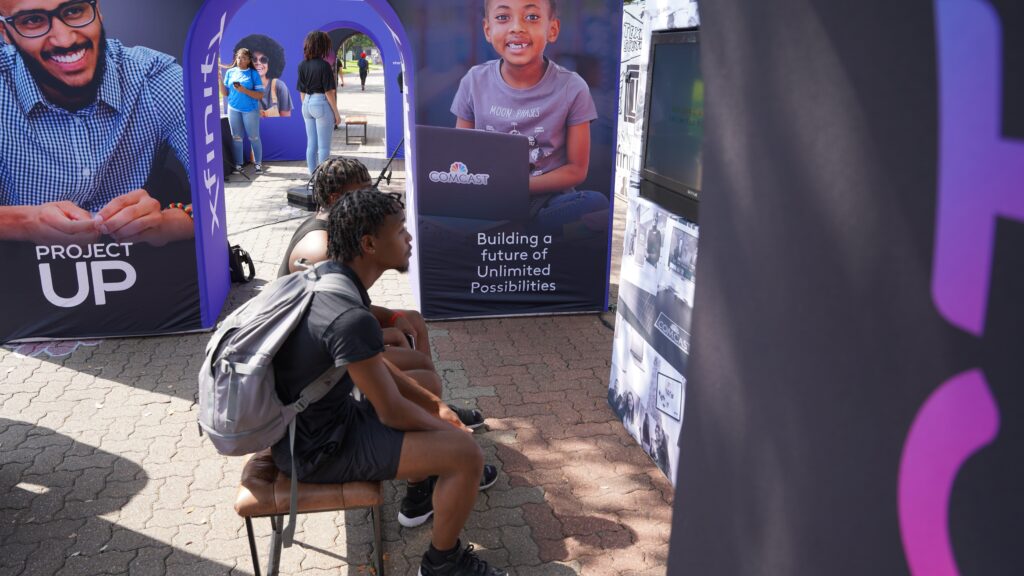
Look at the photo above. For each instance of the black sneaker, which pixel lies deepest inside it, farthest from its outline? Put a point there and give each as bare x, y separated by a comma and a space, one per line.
471, 418
418, 504
463, 562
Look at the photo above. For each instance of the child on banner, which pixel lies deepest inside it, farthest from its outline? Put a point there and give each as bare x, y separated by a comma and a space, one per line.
523, 92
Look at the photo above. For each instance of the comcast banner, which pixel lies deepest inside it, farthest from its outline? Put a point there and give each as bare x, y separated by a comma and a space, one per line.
515, 106
98, 234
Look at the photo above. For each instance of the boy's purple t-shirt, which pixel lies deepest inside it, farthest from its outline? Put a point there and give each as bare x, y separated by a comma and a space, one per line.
542, 112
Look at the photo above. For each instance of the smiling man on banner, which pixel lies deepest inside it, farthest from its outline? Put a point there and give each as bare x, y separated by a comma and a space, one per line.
86, 118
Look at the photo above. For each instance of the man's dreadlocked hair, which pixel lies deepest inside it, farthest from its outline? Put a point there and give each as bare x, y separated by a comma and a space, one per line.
333, 175
355, 215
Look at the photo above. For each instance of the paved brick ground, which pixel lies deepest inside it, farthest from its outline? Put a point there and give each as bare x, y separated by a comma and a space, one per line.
102, 471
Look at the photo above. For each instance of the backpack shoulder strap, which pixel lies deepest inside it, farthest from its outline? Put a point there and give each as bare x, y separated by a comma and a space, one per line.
313, 391
338, 284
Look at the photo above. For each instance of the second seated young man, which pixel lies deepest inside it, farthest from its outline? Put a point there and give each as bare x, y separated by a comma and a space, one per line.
398, 430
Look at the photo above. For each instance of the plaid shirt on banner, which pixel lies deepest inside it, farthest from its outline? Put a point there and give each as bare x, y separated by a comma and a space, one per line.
91, 156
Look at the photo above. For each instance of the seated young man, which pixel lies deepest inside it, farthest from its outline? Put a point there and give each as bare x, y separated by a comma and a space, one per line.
337, 176
399, 430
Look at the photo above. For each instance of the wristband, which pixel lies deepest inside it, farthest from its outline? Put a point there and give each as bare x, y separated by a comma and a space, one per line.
395, 317
187, 209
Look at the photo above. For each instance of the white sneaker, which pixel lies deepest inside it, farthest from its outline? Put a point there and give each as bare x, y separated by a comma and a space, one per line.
259, 168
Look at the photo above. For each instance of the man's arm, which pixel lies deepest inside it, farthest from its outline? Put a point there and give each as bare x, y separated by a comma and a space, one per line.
312, 247
135, 216
574, 172
169, 97
396, 411
412, 390
406, 321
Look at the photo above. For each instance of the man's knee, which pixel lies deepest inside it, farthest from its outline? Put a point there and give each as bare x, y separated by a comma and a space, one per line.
471, 455
428, 380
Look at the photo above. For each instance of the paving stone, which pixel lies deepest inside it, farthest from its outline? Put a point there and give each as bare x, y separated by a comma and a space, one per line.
148, 561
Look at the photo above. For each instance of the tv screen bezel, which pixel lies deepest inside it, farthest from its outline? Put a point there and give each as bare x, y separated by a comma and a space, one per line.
680, 36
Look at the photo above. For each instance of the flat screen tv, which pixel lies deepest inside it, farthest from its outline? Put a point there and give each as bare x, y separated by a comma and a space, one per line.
674, 115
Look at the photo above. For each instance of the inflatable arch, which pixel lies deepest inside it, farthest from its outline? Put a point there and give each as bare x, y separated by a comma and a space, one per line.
214, 31
285, 138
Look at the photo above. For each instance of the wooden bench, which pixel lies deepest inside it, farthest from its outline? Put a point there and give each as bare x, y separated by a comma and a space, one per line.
265, 492
355, 121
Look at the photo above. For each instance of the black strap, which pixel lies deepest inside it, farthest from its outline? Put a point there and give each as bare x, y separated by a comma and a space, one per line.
289, 531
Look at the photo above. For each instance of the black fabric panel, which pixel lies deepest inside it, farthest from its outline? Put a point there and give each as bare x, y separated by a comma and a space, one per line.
815, 337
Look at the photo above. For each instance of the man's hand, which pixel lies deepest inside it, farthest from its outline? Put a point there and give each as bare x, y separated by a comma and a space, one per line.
61, 223
395, 338
51, 223
411, 322
448, 415
137, 217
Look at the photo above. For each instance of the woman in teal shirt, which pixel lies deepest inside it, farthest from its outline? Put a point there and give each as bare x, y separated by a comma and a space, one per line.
244, 89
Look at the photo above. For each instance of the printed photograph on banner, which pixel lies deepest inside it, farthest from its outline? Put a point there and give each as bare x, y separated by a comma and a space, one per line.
647, 395
670, 396
680, 274
94, 175
682, 255
515, 109
644, 246
268, 63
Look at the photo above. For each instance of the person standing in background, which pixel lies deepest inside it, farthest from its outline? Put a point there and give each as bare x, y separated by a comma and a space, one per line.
244, 90
318, 91
364, 69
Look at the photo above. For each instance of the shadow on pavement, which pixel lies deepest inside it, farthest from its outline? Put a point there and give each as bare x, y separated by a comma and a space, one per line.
60, 500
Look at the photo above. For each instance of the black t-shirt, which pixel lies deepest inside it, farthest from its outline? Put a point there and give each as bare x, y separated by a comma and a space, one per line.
311, 224
316, 77
332, 332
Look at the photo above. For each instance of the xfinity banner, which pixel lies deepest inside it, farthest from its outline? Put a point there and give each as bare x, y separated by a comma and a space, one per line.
98, 234
515, 106
854, 394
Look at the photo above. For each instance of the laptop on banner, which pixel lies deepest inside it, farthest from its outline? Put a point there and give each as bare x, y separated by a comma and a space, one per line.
477, 174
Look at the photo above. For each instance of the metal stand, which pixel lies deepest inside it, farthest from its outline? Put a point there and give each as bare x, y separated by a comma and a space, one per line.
385, 174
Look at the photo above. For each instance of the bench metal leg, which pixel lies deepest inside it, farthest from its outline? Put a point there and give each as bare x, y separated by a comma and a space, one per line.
378, 542
276, 542
252, 547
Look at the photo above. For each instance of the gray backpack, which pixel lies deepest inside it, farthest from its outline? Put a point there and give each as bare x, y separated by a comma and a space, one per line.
239, 409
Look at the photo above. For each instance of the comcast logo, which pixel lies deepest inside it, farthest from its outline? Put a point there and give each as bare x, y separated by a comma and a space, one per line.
458, 173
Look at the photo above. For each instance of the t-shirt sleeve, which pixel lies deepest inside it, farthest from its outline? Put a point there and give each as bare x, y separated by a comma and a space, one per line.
284, 97
582, 108
301, 84
462, 105
353, 336
257, 82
